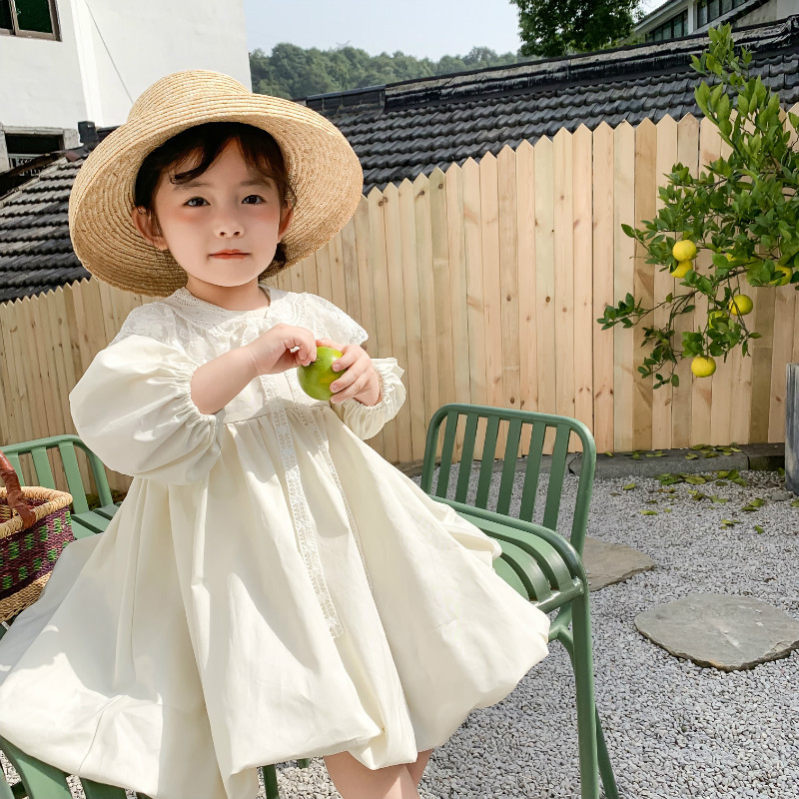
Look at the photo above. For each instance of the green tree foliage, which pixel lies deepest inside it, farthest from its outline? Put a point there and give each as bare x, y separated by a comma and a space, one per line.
743, 209
551, 28
293, 72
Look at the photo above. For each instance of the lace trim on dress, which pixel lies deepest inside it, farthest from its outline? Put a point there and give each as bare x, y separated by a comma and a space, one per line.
323, 444
301, 514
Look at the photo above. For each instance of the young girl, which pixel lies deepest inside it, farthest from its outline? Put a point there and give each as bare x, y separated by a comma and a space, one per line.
270, 588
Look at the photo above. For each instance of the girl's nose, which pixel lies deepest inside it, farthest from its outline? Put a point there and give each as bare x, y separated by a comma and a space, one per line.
228, 225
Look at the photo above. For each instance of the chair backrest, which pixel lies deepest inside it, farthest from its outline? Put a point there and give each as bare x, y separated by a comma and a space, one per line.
64, 448
492, 487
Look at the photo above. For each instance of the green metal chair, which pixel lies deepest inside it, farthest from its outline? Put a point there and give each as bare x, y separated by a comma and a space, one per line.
539, 560
65, 447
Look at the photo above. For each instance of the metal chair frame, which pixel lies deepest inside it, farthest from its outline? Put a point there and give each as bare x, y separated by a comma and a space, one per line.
540, 561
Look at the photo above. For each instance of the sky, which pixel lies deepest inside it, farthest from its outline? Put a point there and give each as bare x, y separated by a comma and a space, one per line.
422, 28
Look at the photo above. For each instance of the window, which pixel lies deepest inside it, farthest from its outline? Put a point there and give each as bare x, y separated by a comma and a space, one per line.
672, 29
23, 147
35, 18
708, 10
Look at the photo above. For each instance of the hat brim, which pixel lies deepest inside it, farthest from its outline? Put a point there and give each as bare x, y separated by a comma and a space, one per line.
322, 168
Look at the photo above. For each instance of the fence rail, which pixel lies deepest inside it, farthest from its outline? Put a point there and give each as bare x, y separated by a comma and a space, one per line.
485, 282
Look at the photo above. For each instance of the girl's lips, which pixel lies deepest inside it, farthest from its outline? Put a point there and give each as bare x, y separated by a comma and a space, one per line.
228, 254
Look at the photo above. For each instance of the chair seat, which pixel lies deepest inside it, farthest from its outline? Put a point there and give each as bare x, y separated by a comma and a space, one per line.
538, 563
91, 522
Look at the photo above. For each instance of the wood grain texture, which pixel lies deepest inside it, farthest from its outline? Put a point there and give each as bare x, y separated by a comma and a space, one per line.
663, 284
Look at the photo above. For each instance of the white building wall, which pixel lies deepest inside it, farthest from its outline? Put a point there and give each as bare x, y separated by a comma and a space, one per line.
773, 10
110, 52
41, 85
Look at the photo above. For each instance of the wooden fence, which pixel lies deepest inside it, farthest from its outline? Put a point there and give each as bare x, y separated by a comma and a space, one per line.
485, 282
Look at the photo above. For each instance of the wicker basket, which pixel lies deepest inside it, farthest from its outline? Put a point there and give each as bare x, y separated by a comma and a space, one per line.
35, 526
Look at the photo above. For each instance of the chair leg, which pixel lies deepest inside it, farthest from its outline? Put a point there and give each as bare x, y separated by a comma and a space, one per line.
605, 769
586, 707
270, 781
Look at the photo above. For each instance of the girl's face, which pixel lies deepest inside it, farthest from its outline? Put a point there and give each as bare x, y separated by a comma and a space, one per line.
222, 228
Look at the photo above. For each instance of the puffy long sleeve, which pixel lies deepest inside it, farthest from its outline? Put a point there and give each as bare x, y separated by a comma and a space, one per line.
133, 408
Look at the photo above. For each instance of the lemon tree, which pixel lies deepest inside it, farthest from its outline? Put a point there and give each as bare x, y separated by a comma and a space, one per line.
743, 209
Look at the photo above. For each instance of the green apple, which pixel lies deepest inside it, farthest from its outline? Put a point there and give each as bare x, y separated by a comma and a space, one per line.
316, 377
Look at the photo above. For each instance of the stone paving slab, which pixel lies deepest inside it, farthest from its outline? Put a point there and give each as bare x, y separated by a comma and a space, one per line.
720, 630
607, 563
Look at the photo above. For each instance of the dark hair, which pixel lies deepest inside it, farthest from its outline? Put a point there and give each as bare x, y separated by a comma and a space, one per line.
258, 147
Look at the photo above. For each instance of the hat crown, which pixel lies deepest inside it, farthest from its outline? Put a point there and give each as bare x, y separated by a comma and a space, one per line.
183, 89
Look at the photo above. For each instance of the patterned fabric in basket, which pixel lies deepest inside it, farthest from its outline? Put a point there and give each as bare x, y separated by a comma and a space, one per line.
27, 557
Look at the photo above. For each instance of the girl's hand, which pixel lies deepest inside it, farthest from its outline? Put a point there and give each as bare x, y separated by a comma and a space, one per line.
360, 381
282, 347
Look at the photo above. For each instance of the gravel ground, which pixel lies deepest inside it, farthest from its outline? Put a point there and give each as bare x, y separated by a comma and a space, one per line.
674, 730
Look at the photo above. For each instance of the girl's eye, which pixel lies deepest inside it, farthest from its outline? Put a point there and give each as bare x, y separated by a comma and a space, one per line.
253, 199
194, 202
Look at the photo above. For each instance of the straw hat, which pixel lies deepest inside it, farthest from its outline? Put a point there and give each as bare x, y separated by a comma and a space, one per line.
321, 165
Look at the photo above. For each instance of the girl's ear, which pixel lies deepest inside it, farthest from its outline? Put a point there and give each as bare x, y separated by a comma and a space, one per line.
285, 220
147, 225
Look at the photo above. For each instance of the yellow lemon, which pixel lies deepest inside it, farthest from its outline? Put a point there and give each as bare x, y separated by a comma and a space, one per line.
786, 276
682, 269
702, 366
684, 250
740, 305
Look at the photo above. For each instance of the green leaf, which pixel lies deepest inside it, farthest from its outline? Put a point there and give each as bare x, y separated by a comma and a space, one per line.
759, 530
628, 487
756, 503
743, 104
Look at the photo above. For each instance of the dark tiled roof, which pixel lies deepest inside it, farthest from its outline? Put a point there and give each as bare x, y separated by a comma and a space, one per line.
35, 251
404, 129
407, 128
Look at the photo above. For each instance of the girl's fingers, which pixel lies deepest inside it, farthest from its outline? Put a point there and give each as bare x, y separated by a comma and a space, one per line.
351, 366
350, 357
307, 347
350, 391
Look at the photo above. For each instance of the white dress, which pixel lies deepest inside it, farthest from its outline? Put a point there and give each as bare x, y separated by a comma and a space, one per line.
270, 588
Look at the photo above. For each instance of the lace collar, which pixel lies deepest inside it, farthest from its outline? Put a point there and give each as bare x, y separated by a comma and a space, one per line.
184, 300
